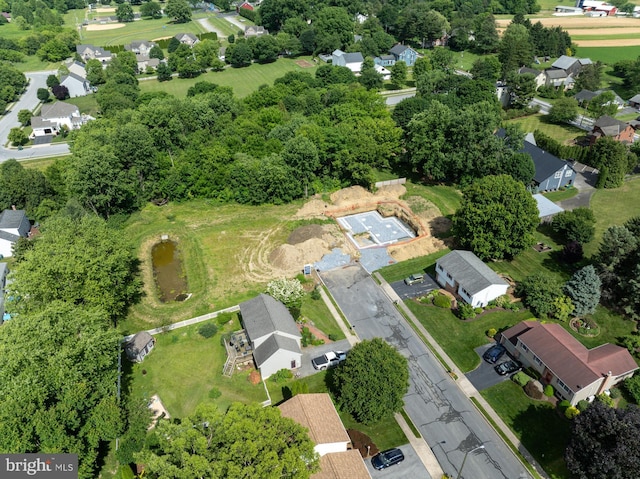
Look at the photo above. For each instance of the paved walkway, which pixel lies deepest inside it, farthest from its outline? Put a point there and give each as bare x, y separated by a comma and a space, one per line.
463, 383
422, 449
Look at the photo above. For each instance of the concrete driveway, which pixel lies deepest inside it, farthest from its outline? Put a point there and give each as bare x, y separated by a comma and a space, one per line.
586, 178
434, 402
485, 376
410, 467
415, 290
311, 352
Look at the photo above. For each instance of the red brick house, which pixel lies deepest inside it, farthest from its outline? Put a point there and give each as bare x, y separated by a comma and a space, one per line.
616, 129
575, 372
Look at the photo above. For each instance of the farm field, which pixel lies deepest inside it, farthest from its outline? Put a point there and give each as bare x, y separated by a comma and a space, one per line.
609, 55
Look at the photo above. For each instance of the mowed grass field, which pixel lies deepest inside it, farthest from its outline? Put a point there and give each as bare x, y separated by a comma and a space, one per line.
244, 80
609, 55
562, 133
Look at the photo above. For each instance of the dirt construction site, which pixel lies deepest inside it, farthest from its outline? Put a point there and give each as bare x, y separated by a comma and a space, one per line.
308, 244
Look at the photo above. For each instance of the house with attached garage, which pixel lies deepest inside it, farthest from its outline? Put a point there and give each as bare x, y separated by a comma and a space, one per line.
464, 274
575, 372
609, 126
273, 334
317, 414
78, 68
404, 53
585, 96
76, 85
14, 224
54, 116
89, 52
353, 61
558, 79
140, 47
571, 65
188, 39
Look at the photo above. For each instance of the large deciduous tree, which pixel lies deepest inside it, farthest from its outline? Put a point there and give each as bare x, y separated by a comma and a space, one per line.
246, 442
604, 443
78, 261
584, 290
124, 13
564, 110
497, 218
179, 10
372, 381
539, 292
575, 225
515, 49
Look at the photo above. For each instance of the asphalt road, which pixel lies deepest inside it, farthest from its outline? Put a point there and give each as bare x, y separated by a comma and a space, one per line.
28, 101
444, 415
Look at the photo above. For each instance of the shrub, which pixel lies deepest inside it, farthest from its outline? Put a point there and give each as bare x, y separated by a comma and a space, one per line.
582, 405
571, 412
315, 294
333, 337
502, 301
299, 387
605, 399
214, 393
615, 393
281, 376
564, 404
442, 301
208, 330
632, 385
521, 378
492, 332
224, 318
548, 390
477, 310
466, 311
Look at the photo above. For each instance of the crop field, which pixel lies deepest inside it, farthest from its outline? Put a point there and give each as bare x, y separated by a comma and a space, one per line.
609, 55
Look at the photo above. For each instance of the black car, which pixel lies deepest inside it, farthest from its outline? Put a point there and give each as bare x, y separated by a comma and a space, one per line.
387, 458
508, 367
494, 353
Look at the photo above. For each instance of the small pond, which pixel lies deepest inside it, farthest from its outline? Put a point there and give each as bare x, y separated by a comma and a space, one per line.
168, 272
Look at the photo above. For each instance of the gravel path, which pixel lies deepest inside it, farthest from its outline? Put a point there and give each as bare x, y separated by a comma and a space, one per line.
210, 28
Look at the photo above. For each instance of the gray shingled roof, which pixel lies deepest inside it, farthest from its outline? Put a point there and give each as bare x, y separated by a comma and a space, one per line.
264, 315
180, 36
469, 271
585, 95
398, 49
12, 218
533, 71
635, 98
58, 110
9, 236
271, 345
137, 343
564, 62
74, 76
353, 57
610, 126
556, 74
39, 122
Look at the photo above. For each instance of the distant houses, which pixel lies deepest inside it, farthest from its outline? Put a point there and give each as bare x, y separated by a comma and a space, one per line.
76, 85
397, 53
353, 61
14, 224
607, 126
90, 52
188, 39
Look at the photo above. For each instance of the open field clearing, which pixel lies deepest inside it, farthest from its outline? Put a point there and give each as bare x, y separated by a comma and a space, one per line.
609, 55
580, 22
140, 30
609, 42
108, 26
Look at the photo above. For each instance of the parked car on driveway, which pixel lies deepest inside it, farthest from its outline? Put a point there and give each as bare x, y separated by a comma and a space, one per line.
329, 360
414, 279
494, 353
508, 367
387, 458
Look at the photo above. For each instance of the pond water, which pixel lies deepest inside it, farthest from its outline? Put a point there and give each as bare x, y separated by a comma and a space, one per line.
168, 272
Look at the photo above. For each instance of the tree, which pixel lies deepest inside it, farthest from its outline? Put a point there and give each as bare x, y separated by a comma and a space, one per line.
301, 155
24, 117
17, 136
151, 10
604, 443
43, 95
163, 72
539, 292
333, 27
614, 161
239, 54
209, 443
372, 381
603, 104
590, 77
61, 92
173, 45
55, 50
179, 10
288, 291
124, 13
266, 49
399, 73
564, 110
24, 188
419, 22
81, 262
515, 49
584, 290
486, 34
95, 72
369, 77
522, 89
486, 68
497, 218
52, 80
575, 225
59, 373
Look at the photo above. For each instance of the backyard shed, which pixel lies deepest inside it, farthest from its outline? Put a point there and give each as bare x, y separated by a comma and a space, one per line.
139, 346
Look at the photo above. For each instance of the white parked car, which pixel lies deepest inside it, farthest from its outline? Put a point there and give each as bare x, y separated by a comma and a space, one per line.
329, 360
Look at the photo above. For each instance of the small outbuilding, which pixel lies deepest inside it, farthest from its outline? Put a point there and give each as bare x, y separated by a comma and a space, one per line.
139, 346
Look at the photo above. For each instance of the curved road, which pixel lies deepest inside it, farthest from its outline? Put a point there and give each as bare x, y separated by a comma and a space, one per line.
28, 101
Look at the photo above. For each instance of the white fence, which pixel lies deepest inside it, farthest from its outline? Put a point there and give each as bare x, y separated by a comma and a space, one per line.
397, 181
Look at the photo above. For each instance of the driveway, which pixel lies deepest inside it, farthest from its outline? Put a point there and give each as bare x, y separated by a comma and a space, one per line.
485, 376
410, 467
586, 178
311, 352
434, 402
415, 290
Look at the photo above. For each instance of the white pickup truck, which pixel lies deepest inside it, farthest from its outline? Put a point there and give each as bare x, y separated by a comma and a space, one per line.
329, 360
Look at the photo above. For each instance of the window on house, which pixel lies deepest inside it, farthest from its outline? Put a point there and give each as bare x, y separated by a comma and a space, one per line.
568, 173
523, 347
537, 360
449, 276
563, 386
558, 174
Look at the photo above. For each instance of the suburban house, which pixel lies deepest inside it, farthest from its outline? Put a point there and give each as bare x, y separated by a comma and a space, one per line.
385, 60
54, 116
140, 47
143, 62
558, 79
547, 209
575, 372
139, 346
571, 65
318, 415
76, 67
463, 273
255, 31
273, 334
538, 75
353, 61
634, 101
246, 6
77, 85
609, 126
585, 96
89, 52
380, 70
13, 225
404, 53
187, 39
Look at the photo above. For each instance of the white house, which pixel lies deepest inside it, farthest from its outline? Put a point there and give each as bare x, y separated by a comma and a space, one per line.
353, 61
464, 274
140, 47
187, 39
318, 415
77, 85
76, 67
380, 70
273, 335
575, 372
53, 116
13, 225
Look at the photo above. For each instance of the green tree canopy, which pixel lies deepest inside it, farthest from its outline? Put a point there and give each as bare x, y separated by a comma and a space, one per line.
179, 10
539, 292
575, 225
246, 442
613, 159
151, 10
124, 12
497, 218
563, 110
372, 381
584, 290
515, 49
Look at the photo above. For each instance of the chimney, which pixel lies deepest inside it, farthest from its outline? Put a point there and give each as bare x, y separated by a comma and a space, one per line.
13, 207
607, 382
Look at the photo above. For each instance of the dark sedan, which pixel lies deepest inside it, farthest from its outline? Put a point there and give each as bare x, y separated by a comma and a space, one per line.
508, 367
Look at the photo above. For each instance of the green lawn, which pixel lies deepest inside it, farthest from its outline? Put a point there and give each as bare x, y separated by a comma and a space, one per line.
464, 60
243, 80
459, 338
535, 423
226, 27
184, 367
86, 104
316, 310
561, 194
562, 133
398, 271
445, 198
612, 328
609, 55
